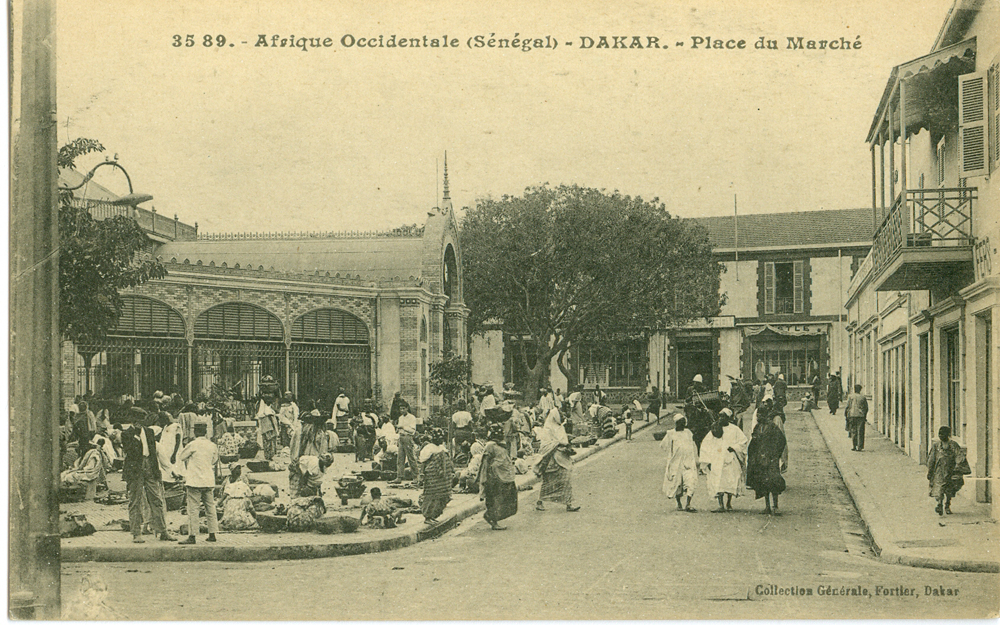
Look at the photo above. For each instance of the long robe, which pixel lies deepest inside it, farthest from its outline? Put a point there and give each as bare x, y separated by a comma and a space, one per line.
681, 475
555, 465
496, 479
941, 461
88, 469
438, 475
727, 473
764, 458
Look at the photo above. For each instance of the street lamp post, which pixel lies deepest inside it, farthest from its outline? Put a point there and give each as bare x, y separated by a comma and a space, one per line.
132, 199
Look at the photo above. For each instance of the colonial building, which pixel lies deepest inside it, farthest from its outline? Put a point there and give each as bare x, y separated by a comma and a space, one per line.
924, 306
365, 311
785, 286
785, 283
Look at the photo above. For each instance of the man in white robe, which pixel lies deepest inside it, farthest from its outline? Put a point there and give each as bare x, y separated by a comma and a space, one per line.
681, 475
724, 449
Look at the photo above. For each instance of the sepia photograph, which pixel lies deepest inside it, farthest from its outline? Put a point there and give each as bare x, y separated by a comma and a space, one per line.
503, 311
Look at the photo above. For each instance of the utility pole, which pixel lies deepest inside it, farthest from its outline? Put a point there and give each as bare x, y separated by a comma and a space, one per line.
34, 558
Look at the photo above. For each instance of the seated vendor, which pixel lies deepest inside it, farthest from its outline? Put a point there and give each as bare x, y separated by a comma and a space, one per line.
312, 469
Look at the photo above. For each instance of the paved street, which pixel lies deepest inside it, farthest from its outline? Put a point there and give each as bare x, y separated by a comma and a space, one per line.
626, 555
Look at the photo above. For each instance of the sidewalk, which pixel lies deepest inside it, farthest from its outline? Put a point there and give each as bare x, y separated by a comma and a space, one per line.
111, 544
890, 492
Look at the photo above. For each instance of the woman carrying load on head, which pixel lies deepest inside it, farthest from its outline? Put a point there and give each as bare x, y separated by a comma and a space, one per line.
496, 480
556, 464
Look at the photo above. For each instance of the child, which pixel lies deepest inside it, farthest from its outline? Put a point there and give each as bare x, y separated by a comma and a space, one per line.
381, 509
627, 418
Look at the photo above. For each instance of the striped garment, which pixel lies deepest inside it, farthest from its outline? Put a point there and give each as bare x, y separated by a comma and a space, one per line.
438, 475
556, 484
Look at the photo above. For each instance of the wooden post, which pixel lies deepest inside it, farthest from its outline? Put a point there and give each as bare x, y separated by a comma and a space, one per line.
881, 175
892, 156
904, 207
874, 194
34, 556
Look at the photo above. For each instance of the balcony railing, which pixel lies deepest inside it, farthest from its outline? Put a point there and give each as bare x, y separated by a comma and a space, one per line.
927, 218
170, 228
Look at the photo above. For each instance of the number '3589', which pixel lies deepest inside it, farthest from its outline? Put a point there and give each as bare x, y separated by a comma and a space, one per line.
208, 41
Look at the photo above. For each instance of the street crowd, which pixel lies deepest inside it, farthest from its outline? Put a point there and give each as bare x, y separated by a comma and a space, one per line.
191, 451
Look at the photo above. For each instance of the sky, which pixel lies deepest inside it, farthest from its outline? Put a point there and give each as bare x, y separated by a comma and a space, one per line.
249, 138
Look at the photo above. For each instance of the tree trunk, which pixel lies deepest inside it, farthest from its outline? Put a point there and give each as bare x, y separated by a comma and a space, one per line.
571, 379
538, 376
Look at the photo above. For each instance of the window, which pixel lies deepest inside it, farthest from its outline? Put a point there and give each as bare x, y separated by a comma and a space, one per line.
615, 365
994, 108
797, 358
784, 288
329, 325
238, 321
972, 125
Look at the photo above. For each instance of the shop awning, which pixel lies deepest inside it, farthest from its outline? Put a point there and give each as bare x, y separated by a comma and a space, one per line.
927, 78
786, 330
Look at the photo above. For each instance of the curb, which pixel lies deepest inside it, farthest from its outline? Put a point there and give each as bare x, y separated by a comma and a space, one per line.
171, 553
875, 522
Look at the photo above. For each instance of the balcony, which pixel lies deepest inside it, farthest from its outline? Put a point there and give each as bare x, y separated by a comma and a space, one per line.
925, 242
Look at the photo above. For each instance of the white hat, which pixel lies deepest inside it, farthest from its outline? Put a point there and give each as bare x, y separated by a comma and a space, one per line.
781, 376
697, 378
726, 411
678, 416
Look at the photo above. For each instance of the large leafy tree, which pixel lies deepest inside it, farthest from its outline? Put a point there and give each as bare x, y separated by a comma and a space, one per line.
569, 265
98, 258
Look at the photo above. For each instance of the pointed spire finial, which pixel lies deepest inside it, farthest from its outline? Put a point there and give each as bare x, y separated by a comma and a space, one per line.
446, 198
447, 195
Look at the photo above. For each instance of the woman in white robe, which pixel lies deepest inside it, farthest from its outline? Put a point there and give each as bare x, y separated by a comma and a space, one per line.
724, 449
681, 475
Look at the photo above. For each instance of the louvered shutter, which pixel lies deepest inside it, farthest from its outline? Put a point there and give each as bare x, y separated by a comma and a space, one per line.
768, 288
994, 112
798, 284
972, 135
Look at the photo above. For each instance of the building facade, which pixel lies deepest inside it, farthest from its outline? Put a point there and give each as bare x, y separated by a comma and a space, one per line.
785, 285
368, 312
924, 307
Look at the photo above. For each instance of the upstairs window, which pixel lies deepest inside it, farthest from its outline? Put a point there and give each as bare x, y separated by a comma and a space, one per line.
784, 288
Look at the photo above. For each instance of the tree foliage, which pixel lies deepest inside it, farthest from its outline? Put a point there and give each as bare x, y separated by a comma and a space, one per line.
98, 258
450, 377
568, 265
